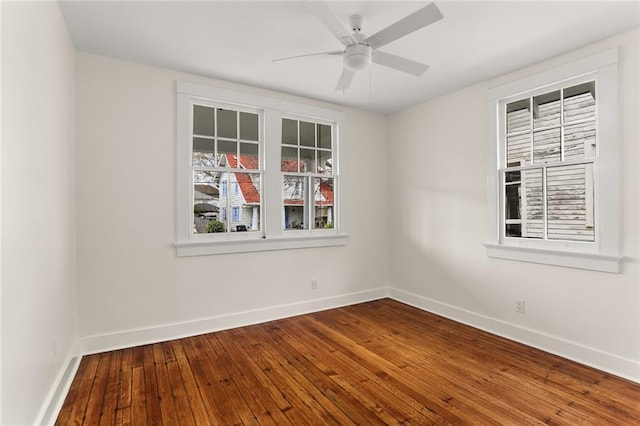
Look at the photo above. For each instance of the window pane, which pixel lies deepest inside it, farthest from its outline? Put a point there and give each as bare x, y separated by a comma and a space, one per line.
203, 152
289, 160
227, 123
519, 116
546, 110
531, 204
323, 202
570, 203
519, 150
324, 136
227, 152
293, 200
580, 141
307, 134
546, 146
245, 202
289, 132
206, 202
512, 176
512, 203
203, 122
248, 126
580, 102
325, 164
307, 160
249, 156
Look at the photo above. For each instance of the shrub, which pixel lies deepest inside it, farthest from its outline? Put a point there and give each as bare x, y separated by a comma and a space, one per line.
215, 226
329, 225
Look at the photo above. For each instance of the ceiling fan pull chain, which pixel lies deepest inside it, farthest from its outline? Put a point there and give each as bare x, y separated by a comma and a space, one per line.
369, 83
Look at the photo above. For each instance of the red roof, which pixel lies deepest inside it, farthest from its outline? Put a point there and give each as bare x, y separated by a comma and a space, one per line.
250, 192
327, 192
291, 166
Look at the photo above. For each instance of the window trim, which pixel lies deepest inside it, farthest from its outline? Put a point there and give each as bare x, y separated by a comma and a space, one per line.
271, 236
308, 205
604, 254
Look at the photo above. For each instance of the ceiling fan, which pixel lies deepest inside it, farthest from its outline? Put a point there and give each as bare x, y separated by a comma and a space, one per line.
360, 51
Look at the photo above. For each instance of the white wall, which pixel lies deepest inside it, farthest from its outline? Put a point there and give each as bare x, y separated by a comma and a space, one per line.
38, 208
437, 153
129, 277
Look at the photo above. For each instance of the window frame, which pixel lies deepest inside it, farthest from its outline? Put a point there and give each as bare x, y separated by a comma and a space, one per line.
309, 177
271, 235
604, 253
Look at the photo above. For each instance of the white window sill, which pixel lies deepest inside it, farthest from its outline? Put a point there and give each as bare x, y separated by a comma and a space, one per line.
203, 248
590, 261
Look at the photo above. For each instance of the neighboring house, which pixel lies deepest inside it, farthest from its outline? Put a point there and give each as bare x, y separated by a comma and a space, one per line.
293, 198
204, 206
236, 197
242, 190
569, 189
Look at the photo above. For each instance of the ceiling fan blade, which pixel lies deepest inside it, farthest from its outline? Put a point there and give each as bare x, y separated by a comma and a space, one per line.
331, 52
399, 63
419, 19
331, 21
345, 79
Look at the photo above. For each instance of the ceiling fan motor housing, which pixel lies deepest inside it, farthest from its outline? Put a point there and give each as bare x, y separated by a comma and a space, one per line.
357, 57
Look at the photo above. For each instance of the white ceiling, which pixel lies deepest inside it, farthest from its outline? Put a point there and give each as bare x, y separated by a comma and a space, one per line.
237, 41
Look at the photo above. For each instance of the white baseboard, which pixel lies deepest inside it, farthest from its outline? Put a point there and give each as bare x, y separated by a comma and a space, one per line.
130, 338
53, 403
595, 358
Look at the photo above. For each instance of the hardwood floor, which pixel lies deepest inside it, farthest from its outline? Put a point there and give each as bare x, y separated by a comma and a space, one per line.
380, 362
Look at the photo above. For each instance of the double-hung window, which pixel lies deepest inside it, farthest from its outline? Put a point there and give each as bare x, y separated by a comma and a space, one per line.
308, 180
225, 142
256, 173
553, 157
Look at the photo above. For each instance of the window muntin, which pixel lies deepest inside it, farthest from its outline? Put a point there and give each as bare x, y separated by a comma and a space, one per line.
215, 143
604, 252
226, 144
307, 152
547, 173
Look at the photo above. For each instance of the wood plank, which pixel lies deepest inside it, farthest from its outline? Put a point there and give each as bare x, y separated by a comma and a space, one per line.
98, 390
123, 408
111, 390
183, 412
138, 396
206, 378
325, 377
348, 364
379, 362
510, 355
165, 390
258, 373
310, 402
200, 408
72, 411
154, 411
349, 409
248, 386
218, 372
445, 390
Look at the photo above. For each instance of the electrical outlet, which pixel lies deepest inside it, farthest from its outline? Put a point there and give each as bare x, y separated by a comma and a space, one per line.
520, 306
314, 284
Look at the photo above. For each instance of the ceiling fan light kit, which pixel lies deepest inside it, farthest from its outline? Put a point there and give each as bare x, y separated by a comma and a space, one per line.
361, 51
357, 57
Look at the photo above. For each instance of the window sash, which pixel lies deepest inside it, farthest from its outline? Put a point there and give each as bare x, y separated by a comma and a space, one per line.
271, 235
539, 102
546, 210
604, 253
